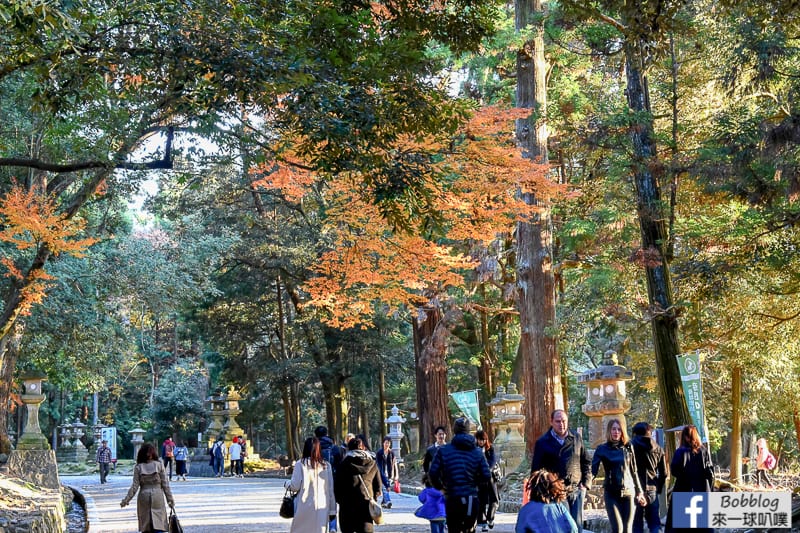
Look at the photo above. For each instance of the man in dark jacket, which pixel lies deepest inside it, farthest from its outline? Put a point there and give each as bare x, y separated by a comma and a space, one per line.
651, 466
562, 452
441, 439
332, 453
457, 469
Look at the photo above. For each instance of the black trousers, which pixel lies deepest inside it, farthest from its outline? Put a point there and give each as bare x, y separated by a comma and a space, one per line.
462, 513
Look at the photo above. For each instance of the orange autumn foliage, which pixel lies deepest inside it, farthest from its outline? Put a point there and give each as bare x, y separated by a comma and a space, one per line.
475, 191
29, 221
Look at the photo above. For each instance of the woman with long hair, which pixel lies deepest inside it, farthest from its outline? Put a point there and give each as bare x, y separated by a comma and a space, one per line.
621, 487
356, 482
152, 483
765, 462
315, 505
545, 512
487, 492
691, 468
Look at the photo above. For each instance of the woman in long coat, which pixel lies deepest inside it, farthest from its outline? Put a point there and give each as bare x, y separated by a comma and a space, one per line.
151, 481
315, 504
357, 479
692, 469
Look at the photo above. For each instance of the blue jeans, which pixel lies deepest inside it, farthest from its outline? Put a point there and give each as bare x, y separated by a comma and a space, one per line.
387, 498
620, 512
219, 466
575, 505
649, 513
437, 526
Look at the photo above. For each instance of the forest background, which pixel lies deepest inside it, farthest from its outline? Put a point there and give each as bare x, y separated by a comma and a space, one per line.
347, 193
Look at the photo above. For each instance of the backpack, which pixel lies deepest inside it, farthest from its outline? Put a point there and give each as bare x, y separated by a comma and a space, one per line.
769, 461
332, 455
217, 451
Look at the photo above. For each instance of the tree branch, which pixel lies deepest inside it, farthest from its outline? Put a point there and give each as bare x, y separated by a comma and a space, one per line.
165, 163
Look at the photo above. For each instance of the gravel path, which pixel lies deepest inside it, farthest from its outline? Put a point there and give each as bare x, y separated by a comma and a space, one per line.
249, 505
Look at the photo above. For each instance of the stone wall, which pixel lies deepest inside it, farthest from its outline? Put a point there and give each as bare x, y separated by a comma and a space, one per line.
26, 509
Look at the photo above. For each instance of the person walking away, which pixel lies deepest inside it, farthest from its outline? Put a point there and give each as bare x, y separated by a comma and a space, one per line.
218, 457
441, 439
181, 456
458, 469
621, 488
103, 459
545, 511
312, 479
432, 508
331, 452
355, 482
235, 455
168, 454
765, 462
692, 470
562, 452
487, 493
651, 465
387, 467
150, 481
243, 444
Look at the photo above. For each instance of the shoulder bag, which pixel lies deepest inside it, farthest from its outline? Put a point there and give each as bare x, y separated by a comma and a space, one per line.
287, 505
375, 511
174, 524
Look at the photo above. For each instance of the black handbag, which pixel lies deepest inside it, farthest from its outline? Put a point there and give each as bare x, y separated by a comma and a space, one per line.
174, 524
287, 505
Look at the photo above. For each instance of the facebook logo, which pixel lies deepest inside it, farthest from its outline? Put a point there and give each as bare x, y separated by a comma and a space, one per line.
690, 509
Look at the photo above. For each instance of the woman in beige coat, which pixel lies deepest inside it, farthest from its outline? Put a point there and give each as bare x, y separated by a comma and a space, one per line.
312, 478
151, 481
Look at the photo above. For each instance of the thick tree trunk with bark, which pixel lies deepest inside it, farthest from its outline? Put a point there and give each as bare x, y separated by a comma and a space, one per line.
540, 364
431, 335
652, 255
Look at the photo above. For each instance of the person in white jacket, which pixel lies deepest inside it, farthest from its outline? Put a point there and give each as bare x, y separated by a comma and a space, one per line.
315, 504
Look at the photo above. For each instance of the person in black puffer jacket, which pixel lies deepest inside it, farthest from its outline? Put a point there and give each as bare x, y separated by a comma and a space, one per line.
457, 470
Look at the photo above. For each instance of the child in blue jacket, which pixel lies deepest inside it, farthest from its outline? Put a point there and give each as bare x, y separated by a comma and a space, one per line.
432, 507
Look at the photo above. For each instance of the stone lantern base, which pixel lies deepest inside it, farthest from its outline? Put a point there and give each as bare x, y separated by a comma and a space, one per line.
37, 467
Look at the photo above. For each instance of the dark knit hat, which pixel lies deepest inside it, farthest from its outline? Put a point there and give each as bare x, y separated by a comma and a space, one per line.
461, 425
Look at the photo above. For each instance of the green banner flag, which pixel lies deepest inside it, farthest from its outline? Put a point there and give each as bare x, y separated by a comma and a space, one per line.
467, 401
689, 365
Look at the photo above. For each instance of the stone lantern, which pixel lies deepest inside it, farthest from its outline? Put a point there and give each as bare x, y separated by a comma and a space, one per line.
137, 439
605, 396
231, 428
496, 421
217, 414
32, 437
395, 422
514, 419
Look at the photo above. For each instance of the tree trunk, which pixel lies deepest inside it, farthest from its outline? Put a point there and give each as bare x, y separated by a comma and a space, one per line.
433, 331
652, 255
289, 423
328, 364
382, 412
488, 365
736, 424
540, 365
